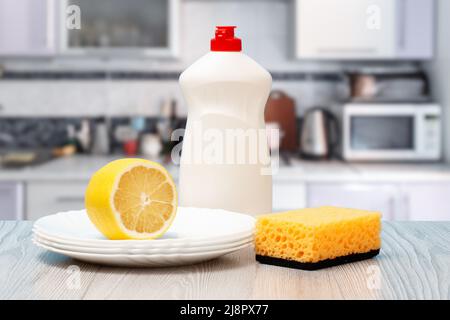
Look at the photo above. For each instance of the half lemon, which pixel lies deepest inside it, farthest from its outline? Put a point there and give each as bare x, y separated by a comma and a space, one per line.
131, 199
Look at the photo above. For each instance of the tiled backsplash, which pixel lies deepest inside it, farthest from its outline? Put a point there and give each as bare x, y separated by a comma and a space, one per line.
123, 94
84, 97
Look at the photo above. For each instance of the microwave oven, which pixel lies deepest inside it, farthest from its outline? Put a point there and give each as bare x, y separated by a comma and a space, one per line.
391, 132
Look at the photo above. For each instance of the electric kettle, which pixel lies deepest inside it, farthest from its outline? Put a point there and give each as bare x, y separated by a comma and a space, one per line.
319, 134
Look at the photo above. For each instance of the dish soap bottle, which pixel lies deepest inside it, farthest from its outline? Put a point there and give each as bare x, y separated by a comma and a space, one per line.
225, 160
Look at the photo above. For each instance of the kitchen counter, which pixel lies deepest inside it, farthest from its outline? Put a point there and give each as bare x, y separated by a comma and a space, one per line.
75, 168
400, 191
80, 168
414, 263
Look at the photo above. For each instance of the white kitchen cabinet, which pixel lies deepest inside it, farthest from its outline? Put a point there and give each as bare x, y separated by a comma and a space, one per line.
426, 201
396, 201
288, 196
11, 200
27, 27
119, 28
106, 28
414, 29
369, 196
364, 29
343, 29
44, 198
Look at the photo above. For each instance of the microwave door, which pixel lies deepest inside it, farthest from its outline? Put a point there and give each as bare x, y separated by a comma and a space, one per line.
387, 137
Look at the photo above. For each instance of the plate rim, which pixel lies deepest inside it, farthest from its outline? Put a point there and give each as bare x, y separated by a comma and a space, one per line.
134, 241
155, 256
149, 244
143, 250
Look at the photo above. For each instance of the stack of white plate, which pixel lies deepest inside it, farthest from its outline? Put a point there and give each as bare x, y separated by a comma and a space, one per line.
196, 235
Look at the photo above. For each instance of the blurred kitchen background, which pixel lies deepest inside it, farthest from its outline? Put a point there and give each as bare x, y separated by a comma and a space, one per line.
361, 95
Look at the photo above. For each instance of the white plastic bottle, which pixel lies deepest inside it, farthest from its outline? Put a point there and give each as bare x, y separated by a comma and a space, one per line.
222, 165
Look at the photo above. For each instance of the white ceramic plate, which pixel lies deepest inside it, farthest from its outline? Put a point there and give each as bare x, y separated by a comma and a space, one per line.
141, 244
191, 227
110, 250
138, 260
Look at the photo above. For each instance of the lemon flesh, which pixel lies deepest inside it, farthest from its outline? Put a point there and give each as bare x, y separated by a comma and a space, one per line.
131, 199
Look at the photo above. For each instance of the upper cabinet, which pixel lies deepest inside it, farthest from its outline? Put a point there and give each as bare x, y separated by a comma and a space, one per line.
89, 27
27, 27
119, 27
415, 29
364, 29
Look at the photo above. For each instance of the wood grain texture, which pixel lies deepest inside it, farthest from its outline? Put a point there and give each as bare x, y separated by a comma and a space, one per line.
414, 263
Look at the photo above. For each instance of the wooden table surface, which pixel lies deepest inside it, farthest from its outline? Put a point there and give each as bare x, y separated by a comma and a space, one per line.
414, 264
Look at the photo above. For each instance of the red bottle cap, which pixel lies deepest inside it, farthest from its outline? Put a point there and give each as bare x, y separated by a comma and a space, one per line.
225, 40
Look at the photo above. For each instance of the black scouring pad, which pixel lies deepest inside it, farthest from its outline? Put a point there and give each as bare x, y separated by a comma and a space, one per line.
317, 265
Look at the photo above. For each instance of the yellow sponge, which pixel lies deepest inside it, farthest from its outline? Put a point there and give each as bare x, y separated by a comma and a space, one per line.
317, 237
